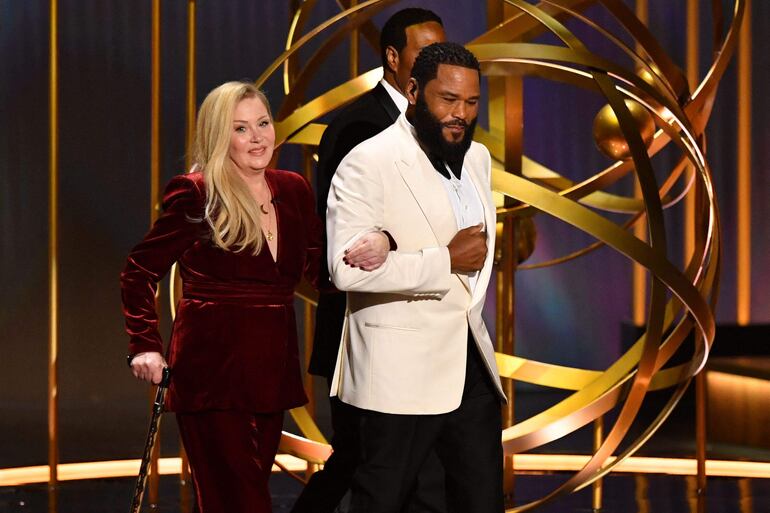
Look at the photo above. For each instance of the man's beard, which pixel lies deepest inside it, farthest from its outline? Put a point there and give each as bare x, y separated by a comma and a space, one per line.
429, 132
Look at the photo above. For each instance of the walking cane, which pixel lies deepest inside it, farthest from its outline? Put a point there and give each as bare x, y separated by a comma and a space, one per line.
152, 434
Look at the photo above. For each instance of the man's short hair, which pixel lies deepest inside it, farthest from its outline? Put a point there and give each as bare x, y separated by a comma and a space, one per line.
426, 64
394, 31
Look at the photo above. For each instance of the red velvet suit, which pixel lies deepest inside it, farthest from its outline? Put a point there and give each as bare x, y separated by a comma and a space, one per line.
234, 343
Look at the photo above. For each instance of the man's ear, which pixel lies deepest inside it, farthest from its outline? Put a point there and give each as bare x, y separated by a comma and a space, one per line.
391, 58
412, 90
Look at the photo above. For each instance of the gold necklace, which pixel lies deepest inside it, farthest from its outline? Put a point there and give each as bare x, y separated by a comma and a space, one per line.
270, 235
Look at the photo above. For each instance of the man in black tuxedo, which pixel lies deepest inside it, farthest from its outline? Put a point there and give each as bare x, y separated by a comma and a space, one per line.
403, 36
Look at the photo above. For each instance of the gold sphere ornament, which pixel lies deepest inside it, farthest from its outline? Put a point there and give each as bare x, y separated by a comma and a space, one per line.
681, 299
608, 135
526, 236
646, 74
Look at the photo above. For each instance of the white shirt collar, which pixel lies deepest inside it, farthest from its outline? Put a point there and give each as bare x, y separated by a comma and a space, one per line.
399, 99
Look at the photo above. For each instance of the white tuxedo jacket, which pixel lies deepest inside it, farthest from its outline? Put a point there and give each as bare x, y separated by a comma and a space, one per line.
404, 344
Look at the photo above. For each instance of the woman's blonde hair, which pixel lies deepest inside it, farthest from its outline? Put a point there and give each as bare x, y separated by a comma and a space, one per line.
231, 210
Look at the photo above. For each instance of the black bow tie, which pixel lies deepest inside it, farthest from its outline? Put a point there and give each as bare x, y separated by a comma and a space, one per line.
441, 166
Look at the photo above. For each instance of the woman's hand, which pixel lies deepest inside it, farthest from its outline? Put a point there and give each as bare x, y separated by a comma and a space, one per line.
369, 252
148, 367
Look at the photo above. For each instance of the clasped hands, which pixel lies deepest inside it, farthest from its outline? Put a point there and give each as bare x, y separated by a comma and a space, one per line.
467, 252
368, 252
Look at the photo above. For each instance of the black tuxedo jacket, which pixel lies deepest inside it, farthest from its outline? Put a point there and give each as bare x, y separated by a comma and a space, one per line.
364, 118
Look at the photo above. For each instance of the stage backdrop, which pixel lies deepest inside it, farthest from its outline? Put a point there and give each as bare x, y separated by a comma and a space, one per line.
569, 314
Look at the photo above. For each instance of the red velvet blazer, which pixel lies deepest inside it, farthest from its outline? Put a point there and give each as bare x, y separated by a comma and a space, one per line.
234, 341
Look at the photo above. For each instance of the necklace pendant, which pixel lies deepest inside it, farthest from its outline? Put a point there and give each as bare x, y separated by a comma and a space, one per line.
270, 235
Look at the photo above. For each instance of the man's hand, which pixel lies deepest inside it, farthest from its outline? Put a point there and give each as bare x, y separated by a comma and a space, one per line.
468, 249
369, 252
148, 367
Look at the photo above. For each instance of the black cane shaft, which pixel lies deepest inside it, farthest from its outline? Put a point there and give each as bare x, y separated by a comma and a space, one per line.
152, 433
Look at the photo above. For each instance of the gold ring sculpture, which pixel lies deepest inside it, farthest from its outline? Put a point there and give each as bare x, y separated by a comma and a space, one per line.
648, 108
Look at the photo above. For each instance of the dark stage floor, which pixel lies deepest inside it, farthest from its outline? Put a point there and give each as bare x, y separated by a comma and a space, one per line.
622, 494
116, 432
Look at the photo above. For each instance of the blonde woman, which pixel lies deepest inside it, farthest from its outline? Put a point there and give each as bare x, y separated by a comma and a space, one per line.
243, 235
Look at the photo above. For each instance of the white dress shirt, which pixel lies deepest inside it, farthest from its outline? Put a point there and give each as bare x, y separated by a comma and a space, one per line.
462, 194
399, 99
466, 205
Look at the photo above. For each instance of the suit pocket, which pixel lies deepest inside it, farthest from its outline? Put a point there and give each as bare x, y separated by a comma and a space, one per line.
389, 327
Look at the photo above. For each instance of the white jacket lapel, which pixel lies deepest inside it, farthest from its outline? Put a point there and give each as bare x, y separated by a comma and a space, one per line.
425, 185
478, 169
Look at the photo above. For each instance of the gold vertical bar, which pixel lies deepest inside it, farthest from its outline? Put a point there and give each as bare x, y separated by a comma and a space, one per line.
308, 163
497, 12
745, 497
191, 79
598, 485
693, 48
505, 109
514, 126
700, 432
744, 170
494, 13
53, 257
154, 475
309, 312
155, 114
690, 222
642, 493
505, 337
691, 493
496, 101
639, 275
354, 47
643, 11
190, 115
309, 321
513, 88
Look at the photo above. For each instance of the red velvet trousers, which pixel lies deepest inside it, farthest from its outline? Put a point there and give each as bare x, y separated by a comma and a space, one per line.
231, 456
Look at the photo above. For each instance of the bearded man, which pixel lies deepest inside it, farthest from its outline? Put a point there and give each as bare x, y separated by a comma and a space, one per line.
403, 35
416, 359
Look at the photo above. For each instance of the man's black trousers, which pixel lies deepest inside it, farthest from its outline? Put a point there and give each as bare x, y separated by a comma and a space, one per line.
466, 441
